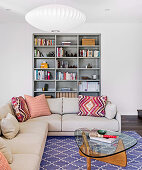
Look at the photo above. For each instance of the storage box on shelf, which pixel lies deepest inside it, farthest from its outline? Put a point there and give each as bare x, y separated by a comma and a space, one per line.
66, 61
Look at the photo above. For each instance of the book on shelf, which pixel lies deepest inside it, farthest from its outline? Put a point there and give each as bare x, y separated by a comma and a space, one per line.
48, 96
42, 75
60, 52
89, 86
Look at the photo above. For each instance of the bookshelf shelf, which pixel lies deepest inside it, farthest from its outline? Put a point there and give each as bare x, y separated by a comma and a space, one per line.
89, 80
89, 46
89, 68
66, 91
44, 80
88, 92
67, 80
44, 58
50, 46
66, 57
89, 57
82, 56
44, 91
44, 68
67, 46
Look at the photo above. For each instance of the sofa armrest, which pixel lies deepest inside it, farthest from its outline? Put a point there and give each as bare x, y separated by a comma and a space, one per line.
118, 117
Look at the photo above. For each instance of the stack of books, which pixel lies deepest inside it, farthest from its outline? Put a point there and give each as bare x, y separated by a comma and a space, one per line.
66, 43
100, 138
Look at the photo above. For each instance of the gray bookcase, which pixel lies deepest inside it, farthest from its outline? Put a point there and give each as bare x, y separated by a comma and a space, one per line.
70, 72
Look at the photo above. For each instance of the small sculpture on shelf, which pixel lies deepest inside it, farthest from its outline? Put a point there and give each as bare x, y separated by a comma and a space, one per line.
44, 65
50, 54
89, 66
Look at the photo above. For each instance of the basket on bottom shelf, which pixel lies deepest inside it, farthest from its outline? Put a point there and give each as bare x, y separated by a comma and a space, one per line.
66, 94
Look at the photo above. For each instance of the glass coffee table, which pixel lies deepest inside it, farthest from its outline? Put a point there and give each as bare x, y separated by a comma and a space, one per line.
113, 153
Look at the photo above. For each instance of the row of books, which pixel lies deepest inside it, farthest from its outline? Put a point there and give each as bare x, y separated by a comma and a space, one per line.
60, 52
89, 86
42, 75
66, 94
89, 53
66, 76
43, 42
37, 53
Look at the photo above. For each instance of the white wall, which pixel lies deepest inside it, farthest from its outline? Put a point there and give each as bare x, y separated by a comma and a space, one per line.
121, 62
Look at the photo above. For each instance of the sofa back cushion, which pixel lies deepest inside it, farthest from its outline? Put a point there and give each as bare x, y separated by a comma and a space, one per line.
4, 148
9, 126
55, 105
92, 106
38, 106
4, 110
110, 111
70, 105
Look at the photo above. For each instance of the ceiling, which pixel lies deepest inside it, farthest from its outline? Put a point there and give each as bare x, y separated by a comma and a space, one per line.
102, 11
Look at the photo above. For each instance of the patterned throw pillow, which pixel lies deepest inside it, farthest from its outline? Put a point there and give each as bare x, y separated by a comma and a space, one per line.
20, 108
92, 106
3, 163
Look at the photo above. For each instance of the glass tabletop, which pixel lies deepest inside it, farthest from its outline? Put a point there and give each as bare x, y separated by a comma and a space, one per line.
97, 149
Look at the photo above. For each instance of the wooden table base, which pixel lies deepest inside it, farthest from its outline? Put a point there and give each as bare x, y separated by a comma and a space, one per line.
119, 159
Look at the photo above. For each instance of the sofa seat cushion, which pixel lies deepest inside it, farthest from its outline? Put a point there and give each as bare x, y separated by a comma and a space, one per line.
27, 143
37, 126
71, 122
25, 162
53, 120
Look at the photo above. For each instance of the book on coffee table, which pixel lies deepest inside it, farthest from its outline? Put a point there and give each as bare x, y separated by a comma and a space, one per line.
107, 140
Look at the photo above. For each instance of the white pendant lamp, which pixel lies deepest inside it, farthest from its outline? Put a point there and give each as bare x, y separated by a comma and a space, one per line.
55, 18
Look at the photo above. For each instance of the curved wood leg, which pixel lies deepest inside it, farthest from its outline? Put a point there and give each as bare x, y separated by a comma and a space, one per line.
119, 159
88, 163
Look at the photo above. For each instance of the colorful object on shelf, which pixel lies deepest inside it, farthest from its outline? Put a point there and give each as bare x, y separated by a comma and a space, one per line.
92, 106
88, 41
20, 108
44, 65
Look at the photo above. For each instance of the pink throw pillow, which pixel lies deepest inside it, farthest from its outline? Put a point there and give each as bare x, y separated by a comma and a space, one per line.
92, 106
38, 106
3, 163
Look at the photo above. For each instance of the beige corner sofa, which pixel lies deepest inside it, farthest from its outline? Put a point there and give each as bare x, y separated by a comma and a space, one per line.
27, 147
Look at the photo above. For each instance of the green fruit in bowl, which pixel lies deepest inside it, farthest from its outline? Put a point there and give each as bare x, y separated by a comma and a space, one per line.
101, 132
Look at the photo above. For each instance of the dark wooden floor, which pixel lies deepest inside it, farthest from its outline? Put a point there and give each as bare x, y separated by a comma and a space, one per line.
132, 123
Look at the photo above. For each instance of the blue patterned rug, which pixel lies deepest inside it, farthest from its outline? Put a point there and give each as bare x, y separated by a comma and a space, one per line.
61, 153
